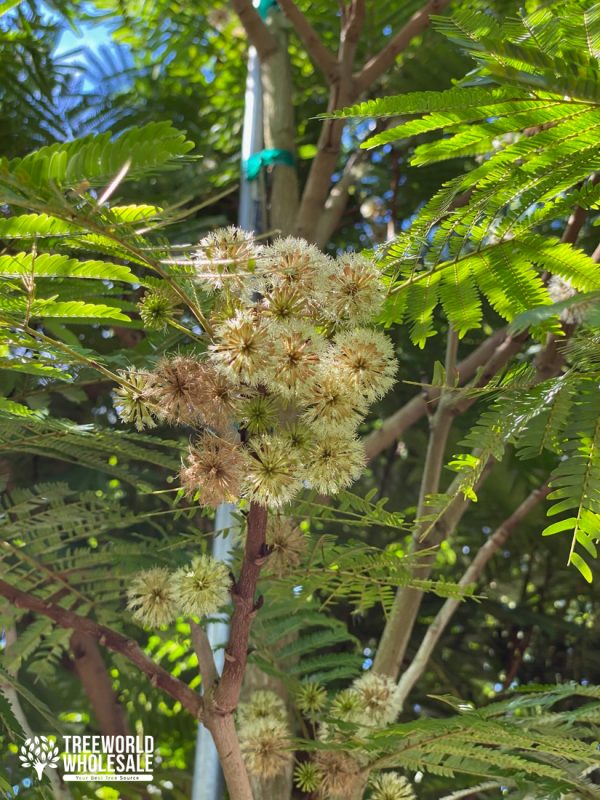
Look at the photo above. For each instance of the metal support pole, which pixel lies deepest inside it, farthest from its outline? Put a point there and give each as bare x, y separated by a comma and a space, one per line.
208, 778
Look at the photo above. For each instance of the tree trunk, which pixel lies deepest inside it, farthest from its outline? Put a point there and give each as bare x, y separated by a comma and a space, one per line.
279, 127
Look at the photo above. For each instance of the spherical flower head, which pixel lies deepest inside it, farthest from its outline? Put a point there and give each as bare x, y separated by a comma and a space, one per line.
311, 698
287, 545
560, 290
356, 291
156, 308
307, 777
366, 359
218, 398
332, 403
266, 747
378, 698
226, 259
338, 770
345, 706
257, 413
134, 403
282, 305
215, 467
299, 437
203, 587
151, 598
391, 786
296, 360
175, 389
263, 704
336, 461
242, 347
273, 474
294, 263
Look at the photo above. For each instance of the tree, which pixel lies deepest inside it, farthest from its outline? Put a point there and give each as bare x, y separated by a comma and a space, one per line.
487, 233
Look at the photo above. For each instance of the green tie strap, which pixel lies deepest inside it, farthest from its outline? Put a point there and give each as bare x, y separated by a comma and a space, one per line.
265, 6
265, 158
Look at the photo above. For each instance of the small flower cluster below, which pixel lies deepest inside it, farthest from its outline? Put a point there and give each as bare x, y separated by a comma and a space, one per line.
290, 369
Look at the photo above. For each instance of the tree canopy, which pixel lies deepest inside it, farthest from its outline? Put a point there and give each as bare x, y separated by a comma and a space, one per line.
393, 379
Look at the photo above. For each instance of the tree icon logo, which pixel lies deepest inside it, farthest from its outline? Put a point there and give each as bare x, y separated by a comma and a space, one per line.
39, 752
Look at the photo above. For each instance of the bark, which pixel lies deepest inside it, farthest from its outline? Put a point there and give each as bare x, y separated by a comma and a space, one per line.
221, 698
222, 729
97, 685
406, 605
280, 128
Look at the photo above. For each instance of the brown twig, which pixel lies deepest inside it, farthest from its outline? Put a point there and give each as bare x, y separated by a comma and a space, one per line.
380, 63
322, 57
257, 32
206, 660
472, 575
116, 642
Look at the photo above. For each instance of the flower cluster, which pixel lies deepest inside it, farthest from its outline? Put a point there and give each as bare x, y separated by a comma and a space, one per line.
264, 734
291, 366
369, 704
156, 596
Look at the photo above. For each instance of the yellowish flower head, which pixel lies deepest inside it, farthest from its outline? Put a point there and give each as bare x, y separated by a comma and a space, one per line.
242, 348
337, 459
365, 358
391, 786
273, 475
152, 599
203, 587
225, 259
263, 704
266, 747
135, 405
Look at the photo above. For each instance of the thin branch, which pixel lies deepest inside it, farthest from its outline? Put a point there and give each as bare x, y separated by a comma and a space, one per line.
338, 197
395, 425
116, 642
376, 66
471, 575
322, 57
398, 629
206, 660
353, 18
257, 32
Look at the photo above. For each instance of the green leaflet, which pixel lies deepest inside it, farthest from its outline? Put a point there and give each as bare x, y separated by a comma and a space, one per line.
36, 226
61, 266
74, 310
94, 159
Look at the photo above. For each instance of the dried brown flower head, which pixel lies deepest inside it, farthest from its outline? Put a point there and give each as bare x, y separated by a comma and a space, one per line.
215, 467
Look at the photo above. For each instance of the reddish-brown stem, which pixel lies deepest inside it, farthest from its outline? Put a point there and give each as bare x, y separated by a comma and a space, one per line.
116, 642
246, 604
